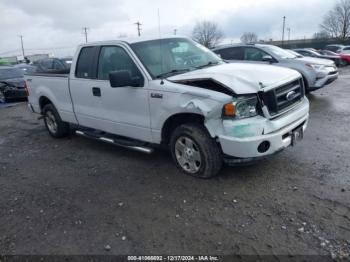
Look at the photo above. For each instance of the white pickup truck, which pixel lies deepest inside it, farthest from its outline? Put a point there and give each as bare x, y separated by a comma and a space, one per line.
175, 93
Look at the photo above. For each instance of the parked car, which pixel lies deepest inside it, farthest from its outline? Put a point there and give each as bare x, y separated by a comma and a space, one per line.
175, 93
294, 53
12, 84
67, 61
51, 65
26, 69
313, 53
316, 72
334, 48
344, 56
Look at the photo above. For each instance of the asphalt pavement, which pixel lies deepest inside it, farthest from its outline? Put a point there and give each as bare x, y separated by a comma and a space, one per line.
79, 196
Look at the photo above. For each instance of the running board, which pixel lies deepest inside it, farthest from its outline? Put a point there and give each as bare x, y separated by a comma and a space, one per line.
142, 149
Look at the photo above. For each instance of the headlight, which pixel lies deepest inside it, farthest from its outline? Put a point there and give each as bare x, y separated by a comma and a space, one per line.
242, 107
316, 66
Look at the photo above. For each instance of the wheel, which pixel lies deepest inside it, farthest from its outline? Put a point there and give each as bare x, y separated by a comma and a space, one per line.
195, 152
2, 97
53, 122
306, 85
342, 63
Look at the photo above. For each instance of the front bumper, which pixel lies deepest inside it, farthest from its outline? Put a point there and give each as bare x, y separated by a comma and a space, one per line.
276, 132
325, 80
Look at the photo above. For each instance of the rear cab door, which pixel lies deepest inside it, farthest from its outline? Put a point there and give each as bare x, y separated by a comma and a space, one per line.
122, 111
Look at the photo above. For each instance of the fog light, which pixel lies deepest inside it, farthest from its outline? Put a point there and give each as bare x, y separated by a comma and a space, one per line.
263, 147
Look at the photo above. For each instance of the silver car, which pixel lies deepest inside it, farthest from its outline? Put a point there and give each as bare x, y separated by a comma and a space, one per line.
316, 72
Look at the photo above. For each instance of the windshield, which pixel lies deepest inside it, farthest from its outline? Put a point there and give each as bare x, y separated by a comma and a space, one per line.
10, 73
277, 51
314, 52
294, 53
178, 55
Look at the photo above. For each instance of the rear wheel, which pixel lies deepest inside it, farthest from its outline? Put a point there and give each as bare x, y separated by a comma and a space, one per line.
53, 122
195, 152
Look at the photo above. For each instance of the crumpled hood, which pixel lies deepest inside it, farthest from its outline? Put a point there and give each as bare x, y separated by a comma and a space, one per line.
243, 78
318, 61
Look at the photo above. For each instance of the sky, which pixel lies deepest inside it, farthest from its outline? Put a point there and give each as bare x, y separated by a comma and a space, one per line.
56, 26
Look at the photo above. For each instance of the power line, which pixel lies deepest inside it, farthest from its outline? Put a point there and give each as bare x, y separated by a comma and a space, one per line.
138, 28
86, 33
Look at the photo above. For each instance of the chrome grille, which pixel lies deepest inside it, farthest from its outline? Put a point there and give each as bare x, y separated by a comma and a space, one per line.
281, 98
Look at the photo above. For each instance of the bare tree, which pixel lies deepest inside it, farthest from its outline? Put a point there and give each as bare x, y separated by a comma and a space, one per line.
321, 35
207, 33
337, 21
249, 37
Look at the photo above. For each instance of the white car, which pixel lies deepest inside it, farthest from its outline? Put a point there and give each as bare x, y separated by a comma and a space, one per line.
175, 93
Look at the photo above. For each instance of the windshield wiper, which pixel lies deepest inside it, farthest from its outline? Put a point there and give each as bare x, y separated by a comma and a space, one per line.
210, 63
172, 72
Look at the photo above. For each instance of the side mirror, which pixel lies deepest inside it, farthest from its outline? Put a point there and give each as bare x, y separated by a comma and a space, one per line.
123, 78
267, 58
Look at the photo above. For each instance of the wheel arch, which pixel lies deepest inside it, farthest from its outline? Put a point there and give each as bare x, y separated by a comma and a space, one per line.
43, 101
176, 120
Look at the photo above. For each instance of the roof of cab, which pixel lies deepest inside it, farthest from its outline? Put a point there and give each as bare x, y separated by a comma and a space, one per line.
130, 40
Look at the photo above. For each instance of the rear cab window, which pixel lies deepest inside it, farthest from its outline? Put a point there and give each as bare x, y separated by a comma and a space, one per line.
85, 64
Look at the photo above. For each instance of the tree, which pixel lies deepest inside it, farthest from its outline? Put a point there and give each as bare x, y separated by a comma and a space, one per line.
249, 37
207, 33
321, 35
337, 21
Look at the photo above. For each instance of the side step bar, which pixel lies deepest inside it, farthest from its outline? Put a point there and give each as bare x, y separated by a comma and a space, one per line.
142, 149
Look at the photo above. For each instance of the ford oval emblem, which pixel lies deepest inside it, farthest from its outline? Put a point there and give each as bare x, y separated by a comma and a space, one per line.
290, 96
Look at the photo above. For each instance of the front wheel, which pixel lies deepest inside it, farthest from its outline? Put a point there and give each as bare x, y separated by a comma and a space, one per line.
195, 152
53, 122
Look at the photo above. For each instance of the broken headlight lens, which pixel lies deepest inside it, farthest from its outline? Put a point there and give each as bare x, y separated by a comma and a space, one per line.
242, 107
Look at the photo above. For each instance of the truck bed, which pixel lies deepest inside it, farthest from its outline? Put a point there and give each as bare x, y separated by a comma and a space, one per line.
56, 89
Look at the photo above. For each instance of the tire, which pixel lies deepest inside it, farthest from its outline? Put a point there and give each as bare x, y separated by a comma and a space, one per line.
53, 122
192, 143
306, 85
2, 97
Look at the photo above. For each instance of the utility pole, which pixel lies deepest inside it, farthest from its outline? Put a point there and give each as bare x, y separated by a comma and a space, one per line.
138, 28
288, 29
175, 31
21, 36
284, 24
86, 33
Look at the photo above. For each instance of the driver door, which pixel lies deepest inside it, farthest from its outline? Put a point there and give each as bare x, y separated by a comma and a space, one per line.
124, 110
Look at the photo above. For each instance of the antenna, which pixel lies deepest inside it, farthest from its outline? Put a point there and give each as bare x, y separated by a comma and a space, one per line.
160, 49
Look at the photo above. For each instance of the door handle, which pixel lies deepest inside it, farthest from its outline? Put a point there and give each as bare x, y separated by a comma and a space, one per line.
96, 91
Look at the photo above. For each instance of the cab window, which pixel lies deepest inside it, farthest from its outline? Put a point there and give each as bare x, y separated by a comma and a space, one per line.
253, 54
231, 53
114, 58
85, 62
